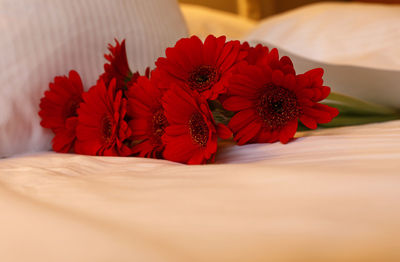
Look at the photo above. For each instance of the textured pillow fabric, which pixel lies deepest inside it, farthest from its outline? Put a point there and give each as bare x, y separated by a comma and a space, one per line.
357, 34
44, 38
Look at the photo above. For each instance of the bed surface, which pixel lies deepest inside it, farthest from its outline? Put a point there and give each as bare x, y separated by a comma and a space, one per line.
332, 196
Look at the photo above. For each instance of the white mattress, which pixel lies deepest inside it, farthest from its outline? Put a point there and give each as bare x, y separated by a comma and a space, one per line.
332, 195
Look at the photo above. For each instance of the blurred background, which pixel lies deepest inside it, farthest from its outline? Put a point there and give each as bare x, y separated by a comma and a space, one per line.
258, 9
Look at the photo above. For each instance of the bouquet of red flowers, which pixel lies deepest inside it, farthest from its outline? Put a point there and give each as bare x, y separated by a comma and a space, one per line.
198, 93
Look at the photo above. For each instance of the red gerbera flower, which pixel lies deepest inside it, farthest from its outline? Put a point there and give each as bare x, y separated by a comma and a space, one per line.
261, 55
102, 129
202, 68
269, 103
148, 120
254, 54
64, 140
191, 136
59, 110
315, 113
118, 67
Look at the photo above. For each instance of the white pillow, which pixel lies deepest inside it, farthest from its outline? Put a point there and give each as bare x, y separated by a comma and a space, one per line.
340, 33
44, 38
356, 43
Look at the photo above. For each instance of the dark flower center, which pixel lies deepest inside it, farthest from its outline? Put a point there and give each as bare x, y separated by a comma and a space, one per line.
106, 128
202, 78
278, 106
159, 124
198, 129
71, 107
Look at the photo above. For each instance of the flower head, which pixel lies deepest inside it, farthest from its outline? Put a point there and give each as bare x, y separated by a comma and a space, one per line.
58, 110
200, 67
261, 55
314, 112
118, 67
102, 129
148, 121
254, 54
269, 103
191, 135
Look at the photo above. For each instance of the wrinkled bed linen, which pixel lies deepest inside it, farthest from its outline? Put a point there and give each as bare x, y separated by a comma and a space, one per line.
331, 195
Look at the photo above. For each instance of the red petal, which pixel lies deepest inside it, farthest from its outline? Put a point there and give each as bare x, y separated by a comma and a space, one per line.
277, 77
242, 119
247, 133
288, 132
308, 122
223, 131
237, 103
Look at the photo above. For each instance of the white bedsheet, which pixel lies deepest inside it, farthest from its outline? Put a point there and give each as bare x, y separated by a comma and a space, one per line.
332, 195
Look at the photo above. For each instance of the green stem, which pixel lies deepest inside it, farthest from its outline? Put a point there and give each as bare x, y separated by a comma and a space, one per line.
357, 106
357, 120
357, 112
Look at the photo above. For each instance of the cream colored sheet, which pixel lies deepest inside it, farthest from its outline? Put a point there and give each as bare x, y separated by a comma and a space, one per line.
332, 195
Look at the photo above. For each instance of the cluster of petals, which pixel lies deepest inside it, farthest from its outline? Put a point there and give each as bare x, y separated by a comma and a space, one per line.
166, 113
203, 68
269, 99
58, 110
